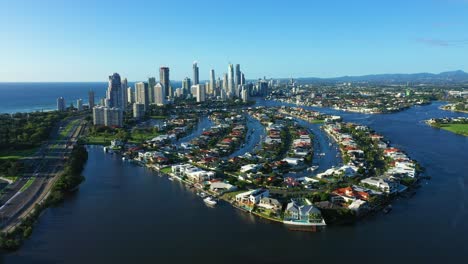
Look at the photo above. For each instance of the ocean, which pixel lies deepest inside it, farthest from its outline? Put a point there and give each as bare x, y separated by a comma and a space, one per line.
30, 97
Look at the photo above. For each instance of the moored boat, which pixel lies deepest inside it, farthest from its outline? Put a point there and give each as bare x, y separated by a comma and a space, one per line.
210, 201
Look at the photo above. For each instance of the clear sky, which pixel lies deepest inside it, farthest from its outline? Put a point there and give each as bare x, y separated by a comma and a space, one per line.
86, 40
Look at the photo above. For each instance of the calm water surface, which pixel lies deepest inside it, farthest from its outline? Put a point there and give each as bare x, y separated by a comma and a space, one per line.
126, 214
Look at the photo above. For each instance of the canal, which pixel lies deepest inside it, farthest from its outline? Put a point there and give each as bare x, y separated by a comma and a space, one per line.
123, 213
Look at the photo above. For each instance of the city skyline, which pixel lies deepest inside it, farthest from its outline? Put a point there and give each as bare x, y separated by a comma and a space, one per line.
297, 39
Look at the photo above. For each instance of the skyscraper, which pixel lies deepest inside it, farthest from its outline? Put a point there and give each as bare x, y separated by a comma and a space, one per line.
186, 85
91, 99
225, 84
242, 79
123, 93
212, 81
230, 90
160, 97
151, 94
244, 94
106, 116
237, 80
130, 95
141, 94
138, 110
60, 104
164, 79
114, 93
201, 93
195, 74
79, 105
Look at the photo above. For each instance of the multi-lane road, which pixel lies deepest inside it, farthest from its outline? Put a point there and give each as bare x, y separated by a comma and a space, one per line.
42, 170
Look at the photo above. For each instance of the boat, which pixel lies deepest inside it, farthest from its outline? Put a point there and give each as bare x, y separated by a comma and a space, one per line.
210, 201
171, 179
202, 194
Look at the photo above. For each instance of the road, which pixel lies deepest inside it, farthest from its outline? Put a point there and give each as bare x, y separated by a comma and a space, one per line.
44, 167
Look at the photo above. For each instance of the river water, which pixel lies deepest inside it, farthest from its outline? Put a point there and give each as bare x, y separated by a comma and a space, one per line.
123, 213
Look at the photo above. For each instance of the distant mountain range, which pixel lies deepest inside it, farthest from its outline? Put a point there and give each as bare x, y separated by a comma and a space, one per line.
444, 77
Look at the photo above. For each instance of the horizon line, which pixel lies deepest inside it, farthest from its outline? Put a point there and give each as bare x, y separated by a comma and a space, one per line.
275, 78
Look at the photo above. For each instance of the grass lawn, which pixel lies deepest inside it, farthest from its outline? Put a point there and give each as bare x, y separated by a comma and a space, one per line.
27, 184
140, 135
166, 170
17, 154
461, 129
230, 195
317, 121
98, 140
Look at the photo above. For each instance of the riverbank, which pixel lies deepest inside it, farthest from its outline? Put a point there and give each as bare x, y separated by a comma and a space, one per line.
67, 180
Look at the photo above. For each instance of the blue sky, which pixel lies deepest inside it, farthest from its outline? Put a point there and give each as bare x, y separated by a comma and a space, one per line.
53, 40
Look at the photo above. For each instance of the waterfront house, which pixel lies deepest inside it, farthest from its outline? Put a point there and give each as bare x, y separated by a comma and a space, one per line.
382, 184
251, 197
359, 206
270, 204
222, 187
302, 212
193, 173
349, 194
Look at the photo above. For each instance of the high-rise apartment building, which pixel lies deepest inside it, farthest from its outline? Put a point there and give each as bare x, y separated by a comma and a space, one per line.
231, 87
164, 79
114, 93
61, 104
141, 94
201, 93
91, 99
160, 97
107, 116
196, 79
151, 94
186, 85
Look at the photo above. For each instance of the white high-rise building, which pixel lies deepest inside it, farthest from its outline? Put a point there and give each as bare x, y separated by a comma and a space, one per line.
244, 94
107, 116
61, 104
98, 116
160, 97
193, 90
201, 93
130, 95
79, 105
123, 91
141, 94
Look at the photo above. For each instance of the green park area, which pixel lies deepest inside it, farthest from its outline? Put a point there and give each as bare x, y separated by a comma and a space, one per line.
461, 129
135, 136
13, 154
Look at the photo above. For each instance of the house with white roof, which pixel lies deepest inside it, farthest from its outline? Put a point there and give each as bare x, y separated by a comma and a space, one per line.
302, 214
252, 197
382, 184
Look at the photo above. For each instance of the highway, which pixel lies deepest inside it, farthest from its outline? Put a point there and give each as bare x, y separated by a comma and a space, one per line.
44, 167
